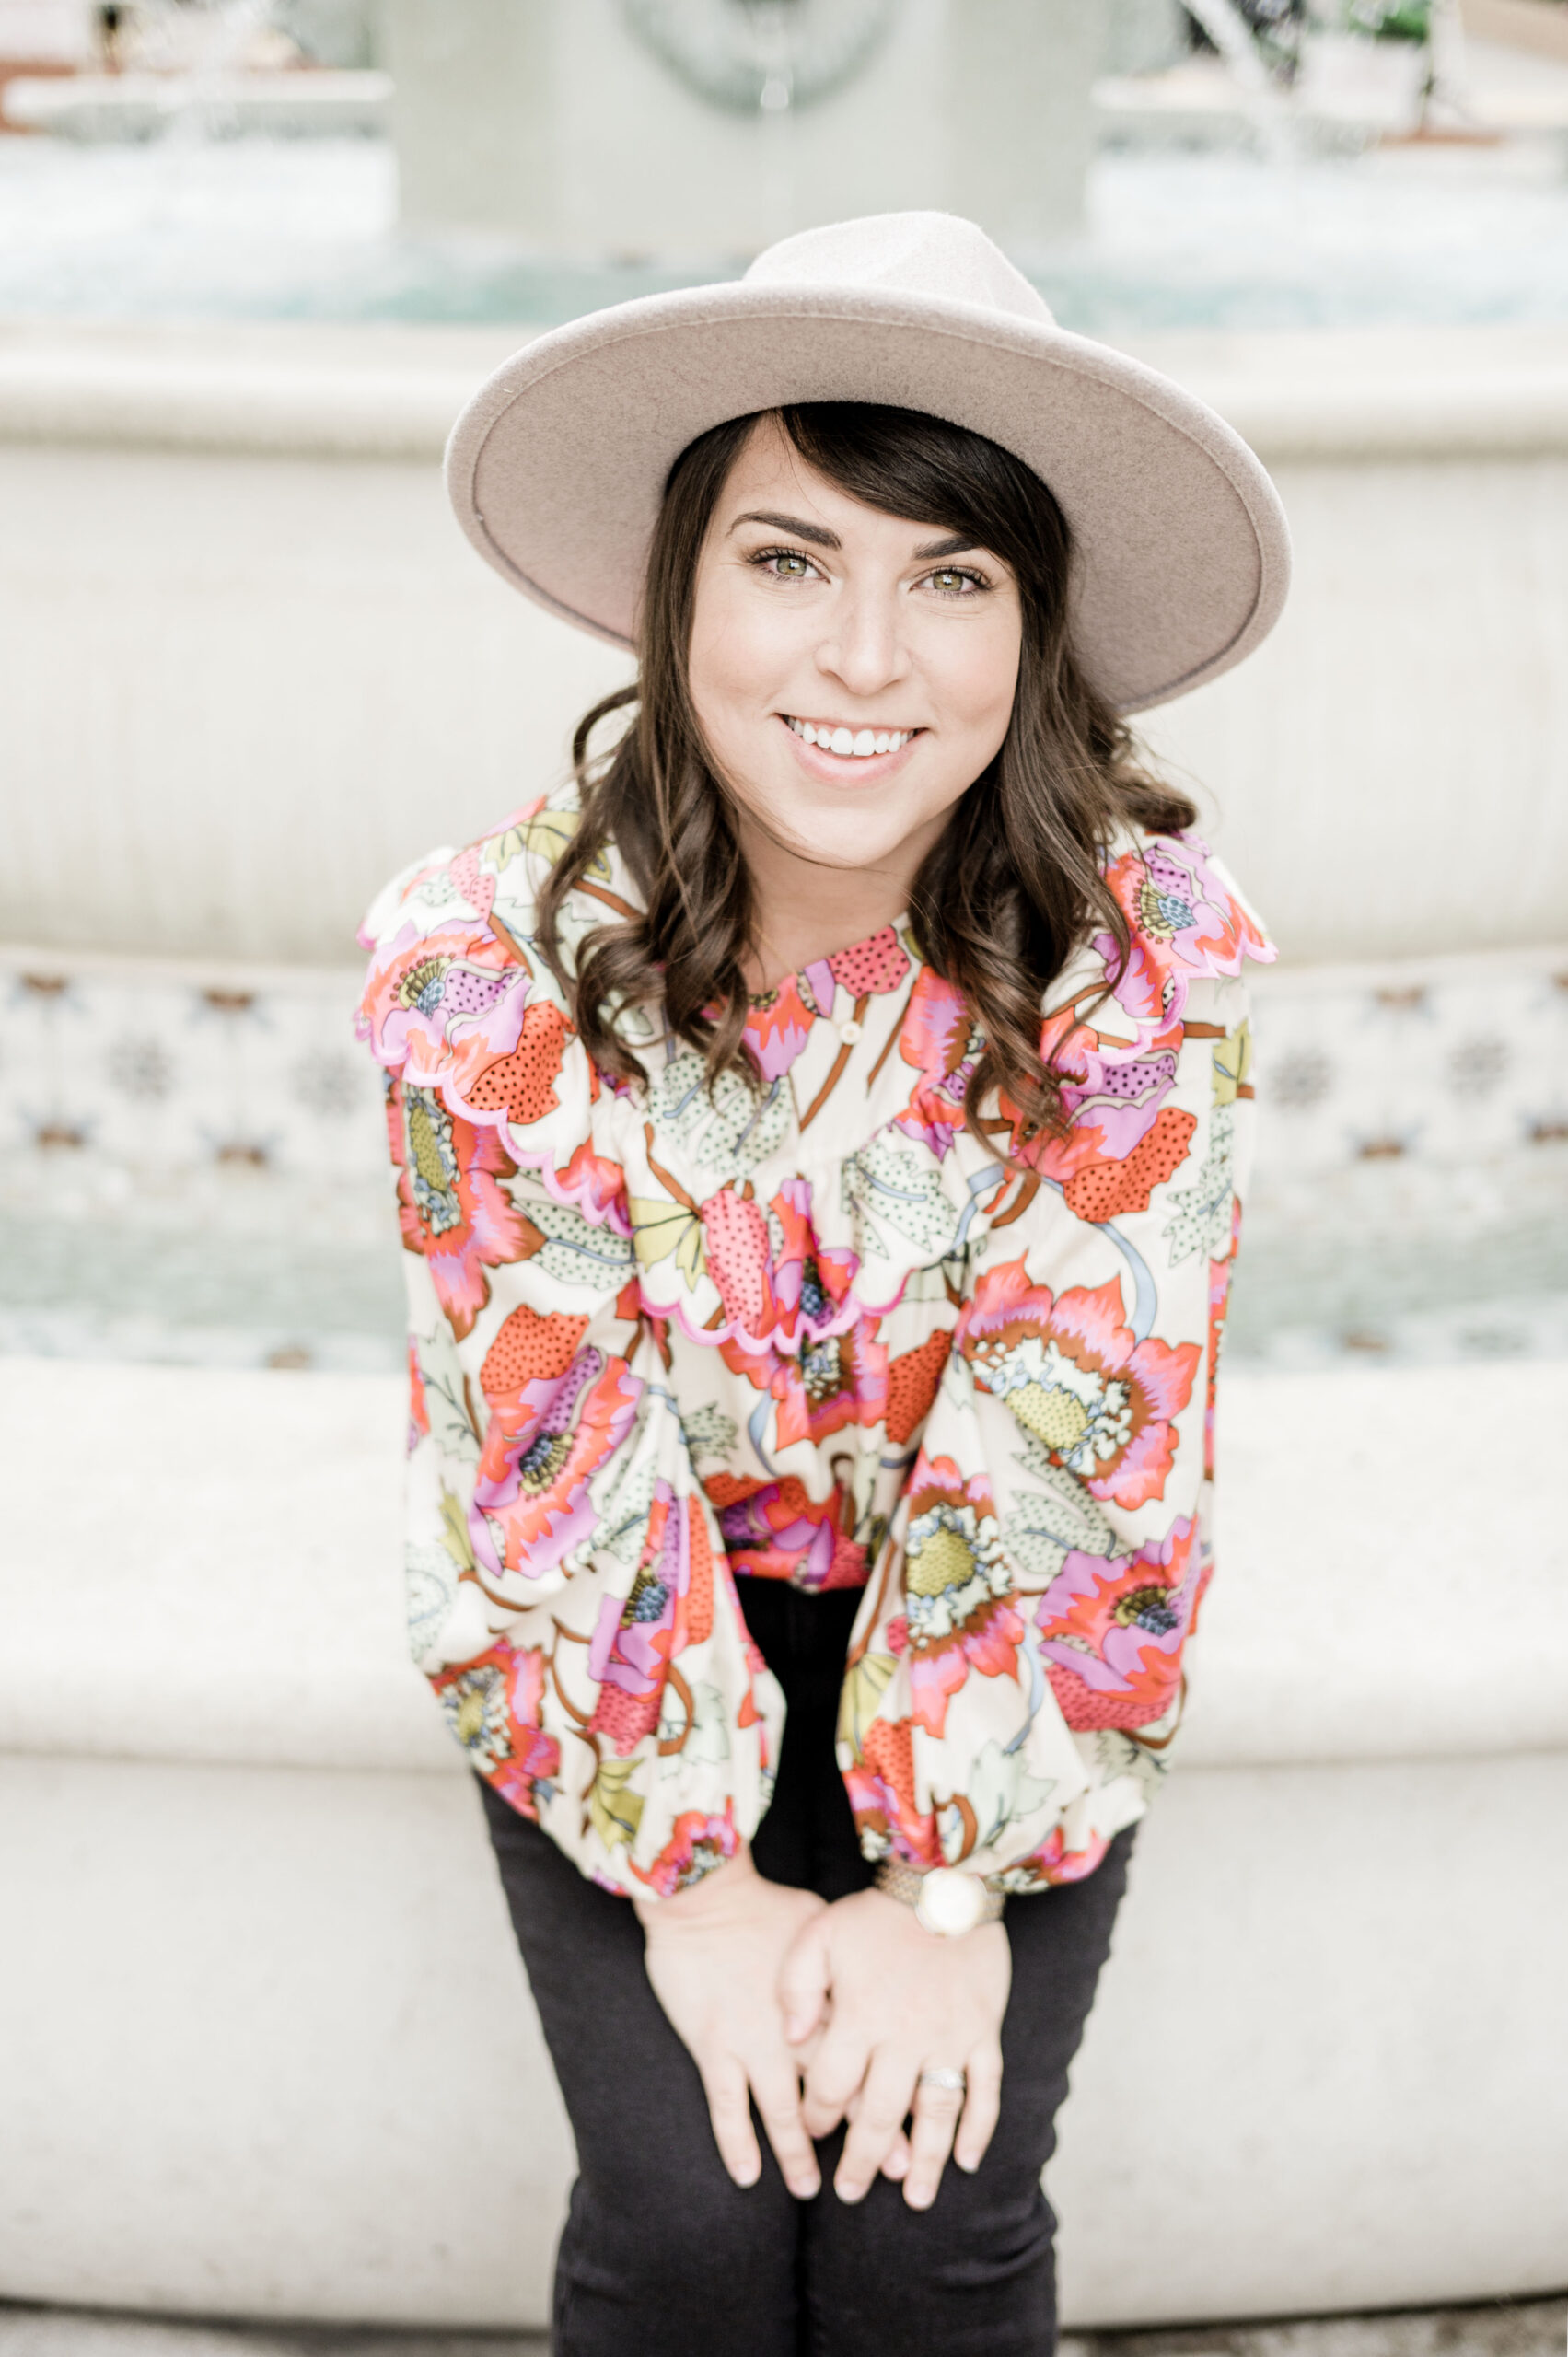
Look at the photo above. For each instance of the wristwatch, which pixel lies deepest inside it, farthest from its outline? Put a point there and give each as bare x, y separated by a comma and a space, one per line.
945, 1899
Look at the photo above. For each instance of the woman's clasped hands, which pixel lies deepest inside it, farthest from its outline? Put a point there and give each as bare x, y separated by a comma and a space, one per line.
818, 2014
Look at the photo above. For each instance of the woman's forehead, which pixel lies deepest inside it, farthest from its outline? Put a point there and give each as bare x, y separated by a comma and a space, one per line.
774, 484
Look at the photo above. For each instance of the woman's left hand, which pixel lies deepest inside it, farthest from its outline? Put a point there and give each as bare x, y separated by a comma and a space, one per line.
903, 2002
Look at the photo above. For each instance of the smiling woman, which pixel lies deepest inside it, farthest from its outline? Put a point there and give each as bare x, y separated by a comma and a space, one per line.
810, 1447
799, 606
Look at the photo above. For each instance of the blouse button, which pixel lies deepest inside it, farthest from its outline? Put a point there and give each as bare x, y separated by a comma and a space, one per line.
849, 1032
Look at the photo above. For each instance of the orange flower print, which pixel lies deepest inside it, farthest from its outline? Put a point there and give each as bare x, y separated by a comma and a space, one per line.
670, 1605
1186, 925
1103, 1404
793, 1328
418, 1407
698, 1845
936, 1037
776, 1530
450, 1205
1054, 1863
556, 1415
777, 1028
493, 1708
955, 1579
1112, 1630
881, 1787
441, 1006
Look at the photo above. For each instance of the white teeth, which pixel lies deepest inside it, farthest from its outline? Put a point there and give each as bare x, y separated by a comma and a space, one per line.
857, 743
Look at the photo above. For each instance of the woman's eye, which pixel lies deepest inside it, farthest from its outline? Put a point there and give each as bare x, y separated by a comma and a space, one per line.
952, 582
785, 564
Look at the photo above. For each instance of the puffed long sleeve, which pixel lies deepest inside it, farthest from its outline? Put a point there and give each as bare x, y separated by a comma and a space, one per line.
569, 1596
1016, 1675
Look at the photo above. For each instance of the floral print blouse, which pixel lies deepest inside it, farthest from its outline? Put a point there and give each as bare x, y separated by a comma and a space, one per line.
815, 1332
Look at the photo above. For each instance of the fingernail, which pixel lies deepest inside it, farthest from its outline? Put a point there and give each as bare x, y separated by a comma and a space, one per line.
747, 2176
968, 2168
795, 2028
805, 2188
920, 2200
851, 2193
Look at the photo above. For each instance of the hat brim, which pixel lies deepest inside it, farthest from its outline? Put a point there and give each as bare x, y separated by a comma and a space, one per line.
557, 466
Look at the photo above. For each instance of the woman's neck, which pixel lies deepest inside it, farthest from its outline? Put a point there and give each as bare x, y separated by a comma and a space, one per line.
804, 910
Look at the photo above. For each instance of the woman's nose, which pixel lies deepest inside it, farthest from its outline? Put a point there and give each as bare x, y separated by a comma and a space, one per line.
864, 649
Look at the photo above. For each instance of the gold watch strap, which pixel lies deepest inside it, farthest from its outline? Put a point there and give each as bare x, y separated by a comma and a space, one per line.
907, 1883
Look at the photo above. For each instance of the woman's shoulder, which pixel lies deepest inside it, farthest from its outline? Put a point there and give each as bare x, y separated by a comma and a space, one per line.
459, 999
1188, 925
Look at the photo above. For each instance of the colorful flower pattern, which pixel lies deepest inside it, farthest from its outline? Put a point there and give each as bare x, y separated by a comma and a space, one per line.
819, 1331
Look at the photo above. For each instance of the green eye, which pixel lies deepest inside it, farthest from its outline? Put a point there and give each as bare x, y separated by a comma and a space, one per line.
950, 582
792, 568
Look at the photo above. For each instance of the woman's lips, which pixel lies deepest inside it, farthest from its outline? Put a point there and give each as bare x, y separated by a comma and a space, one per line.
850, 768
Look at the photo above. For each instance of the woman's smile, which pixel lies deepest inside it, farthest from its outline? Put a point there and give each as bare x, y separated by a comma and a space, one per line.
850, 754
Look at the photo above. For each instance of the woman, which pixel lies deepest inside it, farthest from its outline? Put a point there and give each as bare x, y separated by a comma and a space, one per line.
817, 1133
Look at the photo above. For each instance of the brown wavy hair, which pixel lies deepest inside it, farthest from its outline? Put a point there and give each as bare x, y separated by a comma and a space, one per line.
1014, 884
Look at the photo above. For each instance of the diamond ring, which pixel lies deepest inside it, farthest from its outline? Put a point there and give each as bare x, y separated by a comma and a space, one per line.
951, 2081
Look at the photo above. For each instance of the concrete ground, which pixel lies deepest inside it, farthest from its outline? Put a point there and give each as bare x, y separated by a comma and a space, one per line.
1499, 2329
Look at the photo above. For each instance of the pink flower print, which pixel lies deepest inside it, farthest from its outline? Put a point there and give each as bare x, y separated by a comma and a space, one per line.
698, 1843
1220, 1274
882, 1792
1112, 1631
955, 1581
670, 1605
776, 1530
535, 1759
1115, 1103
556, 1415
793, 1328
492, 1706
936, 1037
418, 1408
451, 1207
777, 1028
1186, 925
477, 885
1054, 1863
1103, 1404
872, 966
596, 1185
444, 1004
735, 1237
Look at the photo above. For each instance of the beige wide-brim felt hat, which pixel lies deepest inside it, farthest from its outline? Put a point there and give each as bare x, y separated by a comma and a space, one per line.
557, 466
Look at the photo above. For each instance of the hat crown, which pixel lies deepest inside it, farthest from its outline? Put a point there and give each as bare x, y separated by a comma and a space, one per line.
938, 255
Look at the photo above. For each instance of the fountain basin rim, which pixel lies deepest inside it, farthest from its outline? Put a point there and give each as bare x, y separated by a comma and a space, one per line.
298, 389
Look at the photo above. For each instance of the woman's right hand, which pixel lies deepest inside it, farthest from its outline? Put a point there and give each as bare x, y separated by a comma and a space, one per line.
714, 1953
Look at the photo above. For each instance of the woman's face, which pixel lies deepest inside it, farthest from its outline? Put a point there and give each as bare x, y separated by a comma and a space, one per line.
853, 674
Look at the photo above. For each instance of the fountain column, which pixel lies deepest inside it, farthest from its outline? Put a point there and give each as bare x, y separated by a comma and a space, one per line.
555, 122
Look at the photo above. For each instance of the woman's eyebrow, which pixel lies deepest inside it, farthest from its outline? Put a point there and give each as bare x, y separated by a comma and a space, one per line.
956, 544
818, 533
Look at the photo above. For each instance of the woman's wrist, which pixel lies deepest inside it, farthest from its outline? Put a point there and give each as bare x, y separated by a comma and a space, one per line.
707, 1900
946, 1901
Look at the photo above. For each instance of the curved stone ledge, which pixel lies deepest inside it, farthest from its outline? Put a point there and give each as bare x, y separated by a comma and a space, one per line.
202, 1566
379, 392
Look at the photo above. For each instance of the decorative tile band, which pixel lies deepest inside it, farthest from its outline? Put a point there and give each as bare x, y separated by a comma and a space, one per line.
1412, 1147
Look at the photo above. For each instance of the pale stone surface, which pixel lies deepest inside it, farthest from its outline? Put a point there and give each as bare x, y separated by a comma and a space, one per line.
276, 2018
242, 689
1533, 2328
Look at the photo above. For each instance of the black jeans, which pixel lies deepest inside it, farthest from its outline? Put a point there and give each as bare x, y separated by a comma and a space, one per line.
662, 2255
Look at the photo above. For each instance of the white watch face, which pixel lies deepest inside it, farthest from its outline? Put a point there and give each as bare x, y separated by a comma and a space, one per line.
950, 1901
